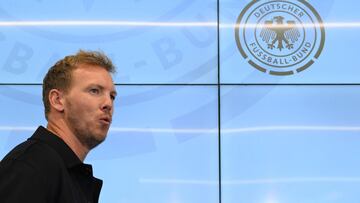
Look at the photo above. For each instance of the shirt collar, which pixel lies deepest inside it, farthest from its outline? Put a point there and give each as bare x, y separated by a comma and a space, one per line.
56, 143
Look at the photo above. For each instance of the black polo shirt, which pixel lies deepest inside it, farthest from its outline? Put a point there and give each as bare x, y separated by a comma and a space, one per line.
44, 169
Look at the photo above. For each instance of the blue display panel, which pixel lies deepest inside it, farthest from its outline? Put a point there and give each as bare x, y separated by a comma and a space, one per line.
162, 146
164, 51
290, 144
336, 62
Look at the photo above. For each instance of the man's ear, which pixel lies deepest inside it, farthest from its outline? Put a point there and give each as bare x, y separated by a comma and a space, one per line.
56, 99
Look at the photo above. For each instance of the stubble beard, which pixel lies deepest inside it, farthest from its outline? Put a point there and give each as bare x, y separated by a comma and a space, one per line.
84, 133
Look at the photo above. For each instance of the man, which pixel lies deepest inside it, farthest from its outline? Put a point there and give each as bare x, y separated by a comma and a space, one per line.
78, 95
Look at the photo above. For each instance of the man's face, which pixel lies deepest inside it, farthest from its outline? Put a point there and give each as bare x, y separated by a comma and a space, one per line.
89, 104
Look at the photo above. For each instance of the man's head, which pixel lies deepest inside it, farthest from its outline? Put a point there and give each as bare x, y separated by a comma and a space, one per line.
79, 91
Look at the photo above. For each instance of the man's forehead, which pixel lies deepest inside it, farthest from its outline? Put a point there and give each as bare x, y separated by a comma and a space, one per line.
92, 74
90, 71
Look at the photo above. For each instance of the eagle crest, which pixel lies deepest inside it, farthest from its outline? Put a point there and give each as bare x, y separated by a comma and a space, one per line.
275, 31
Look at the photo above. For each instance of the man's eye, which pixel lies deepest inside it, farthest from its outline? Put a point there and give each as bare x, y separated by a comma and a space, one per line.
94, 91
112, 97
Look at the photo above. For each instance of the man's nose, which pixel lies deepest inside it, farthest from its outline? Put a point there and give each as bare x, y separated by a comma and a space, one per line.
107, 104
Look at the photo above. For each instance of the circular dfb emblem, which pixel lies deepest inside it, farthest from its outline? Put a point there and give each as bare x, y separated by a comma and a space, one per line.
280, 37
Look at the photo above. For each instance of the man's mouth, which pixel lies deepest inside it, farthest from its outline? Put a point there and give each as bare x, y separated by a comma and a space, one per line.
106, 120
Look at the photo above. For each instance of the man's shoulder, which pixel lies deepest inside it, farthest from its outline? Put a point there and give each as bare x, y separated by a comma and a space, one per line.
35, 154
31, 169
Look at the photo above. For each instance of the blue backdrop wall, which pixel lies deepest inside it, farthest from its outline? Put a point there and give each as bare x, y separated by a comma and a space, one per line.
194, 121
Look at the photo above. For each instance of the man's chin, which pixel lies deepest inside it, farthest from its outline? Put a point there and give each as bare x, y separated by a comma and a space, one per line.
94, 141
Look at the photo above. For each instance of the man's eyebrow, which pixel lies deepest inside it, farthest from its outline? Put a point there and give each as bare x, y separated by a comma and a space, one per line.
95, 85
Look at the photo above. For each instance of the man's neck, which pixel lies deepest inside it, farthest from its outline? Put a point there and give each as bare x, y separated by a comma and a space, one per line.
62, 131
